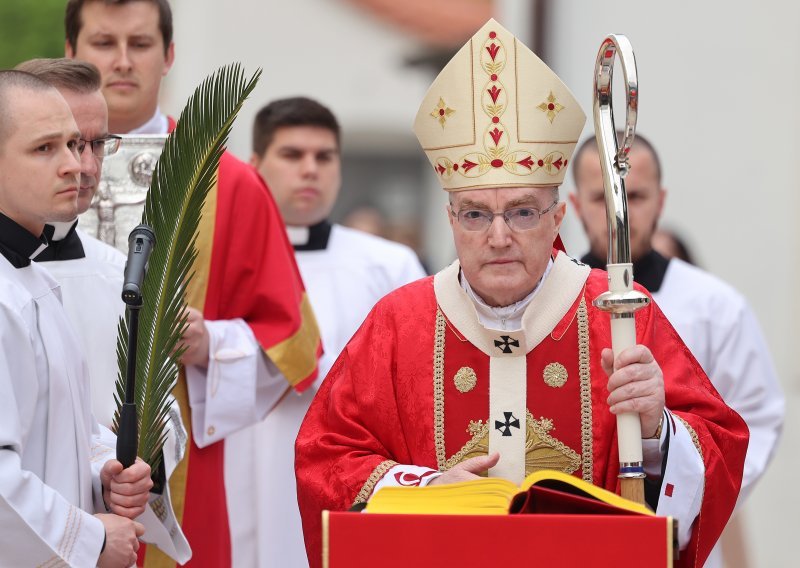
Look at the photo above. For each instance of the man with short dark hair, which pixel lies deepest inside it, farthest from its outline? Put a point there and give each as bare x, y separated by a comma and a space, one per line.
712, 318
90, 274
296, 149
89, 271
55, 469
131, 63
251, 332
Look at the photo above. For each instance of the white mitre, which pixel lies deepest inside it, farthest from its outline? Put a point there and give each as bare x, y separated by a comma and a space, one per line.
497, 116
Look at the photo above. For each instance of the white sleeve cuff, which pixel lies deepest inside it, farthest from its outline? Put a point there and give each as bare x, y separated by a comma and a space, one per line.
176, 438
238, 387
406, 476
684, 480
162, 528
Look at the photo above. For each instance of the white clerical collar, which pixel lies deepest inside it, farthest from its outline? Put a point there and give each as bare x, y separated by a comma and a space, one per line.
506, 318
297, 235
159, 124
61, 228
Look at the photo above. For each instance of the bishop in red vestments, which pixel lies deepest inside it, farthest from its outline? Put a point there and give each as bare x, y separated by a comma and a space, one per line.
500, 363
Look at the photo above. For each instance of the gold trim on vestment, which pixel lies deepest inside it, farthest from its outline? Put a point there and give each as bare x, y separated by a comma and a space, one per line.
159, 508
470, 449
154, 557
438, 391
100, 452
62, 544
195, 297
542, 451
465, 379
291, 355
196, 289
296, 356
68, 538
693, 434
555, 375
585, 374
670, 542
326, 539
54, 562
372, 481
76, 529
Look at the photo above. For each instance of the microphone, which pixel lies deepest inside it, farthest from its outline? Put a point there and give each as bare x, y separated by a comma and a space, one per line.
140, 244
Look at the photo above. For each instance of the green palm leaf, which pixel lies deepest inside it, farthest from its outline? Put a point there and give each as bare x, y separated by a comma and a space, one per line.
182, 179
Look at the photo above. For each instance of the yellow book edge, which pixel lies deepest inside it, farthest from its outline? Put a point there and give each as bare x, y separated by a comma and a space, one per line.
485, 496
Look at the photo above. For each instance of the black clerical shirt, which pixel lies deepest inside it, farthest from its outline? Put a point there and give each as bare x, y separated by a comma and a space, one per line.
318, 236
68, 248
649, 271
17, 244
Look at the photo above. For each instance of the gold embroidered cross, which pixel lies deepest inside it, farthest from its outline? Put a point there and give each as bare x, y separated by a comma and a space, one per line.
551, 107
442, 112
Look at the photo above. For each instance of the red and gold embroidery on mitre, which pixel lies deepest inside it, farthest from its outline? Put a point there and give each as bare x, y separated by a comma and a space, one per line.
508, 120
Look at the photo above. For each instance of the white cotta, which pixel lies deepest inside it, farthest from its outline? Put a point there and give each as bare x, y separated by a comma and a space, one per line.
48, 488
723, 334
91, 290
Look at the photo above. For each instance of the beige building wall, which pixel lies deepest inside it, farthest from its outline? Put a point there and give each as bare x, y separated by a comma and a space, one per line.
326, 49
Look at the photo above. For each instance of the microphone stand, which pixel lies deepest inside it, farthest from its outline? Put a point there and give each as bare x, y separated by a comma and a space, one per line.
128, 433
138, 252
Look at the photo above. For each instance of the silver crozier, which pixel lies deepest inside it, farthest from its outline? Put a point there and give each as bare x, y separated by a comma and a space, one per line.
621, 300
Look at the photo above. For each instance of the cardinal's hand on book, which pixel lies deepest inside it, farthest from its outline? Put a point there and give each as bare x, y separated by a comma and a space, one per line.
467, 470
636, 384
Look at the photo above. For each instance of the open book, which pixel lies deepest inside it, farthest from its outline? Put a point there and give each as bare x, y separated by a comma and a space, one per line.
545, 491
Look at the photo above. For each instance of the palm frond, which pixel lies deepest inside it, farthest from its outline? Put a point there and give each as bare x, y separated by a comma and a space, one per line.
182, 179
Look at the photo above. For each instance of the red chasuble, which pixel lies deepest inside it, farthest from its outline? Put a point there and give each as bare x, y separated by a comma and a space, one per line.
409, 388
245, 269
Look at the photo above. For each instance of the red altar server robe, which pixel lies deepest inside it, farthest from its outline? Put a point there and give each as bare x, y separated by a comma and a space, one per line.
410, 388
245, 269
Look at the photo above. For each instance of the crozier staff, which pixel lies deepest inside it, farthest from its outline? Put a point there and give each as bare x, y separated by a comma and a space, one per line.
621, 301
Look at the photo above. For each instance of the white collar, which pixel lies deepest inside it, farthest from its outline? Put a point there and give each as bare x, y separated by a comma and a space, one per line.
158, 124
506, 318
297, 235
61, 228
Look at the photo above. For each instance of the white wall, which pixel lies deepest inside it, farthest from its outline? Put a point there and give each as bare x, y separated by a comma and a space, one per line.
718, 98
325, 49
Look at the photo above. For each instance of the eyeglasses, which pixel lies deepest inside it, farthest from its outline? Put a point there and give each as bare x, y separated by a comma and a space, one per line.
518, 219
101, 147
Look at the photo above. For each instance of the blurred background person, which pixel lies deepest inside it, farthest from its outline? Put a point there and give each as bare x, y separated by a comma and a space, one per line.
711, 317
367, 219
668, 244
